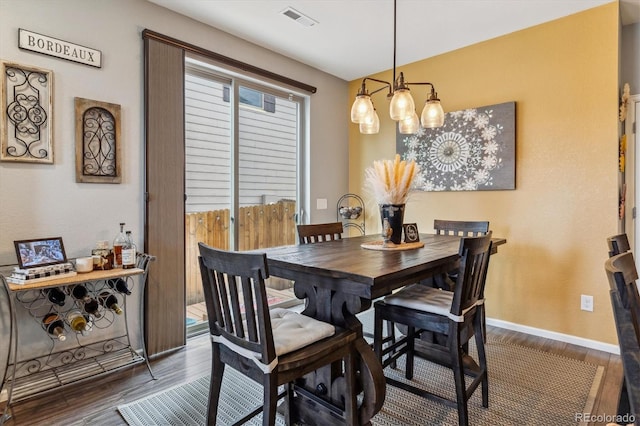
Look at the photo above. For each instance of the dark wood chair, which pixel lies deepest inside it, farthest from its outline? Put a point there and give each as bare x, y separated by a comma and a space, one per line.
463, 229
622, 274
618, 244
320, 232
271, 347
453, 314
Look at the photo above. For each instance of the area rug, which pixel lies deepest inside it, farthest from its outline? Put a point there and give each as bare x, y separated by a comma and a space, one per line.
526, 387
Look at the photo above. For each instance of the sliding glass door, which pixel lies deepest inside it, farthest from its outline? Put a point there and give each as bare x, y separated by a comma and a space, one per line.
242, 174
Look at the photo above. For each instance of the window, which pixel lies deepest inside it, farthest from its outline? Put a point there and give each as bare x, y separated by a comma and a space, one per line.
253, 98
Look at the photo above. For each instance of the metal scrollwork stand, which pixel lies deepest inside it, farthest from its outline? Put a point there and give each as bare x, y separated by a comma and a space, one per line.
70, 364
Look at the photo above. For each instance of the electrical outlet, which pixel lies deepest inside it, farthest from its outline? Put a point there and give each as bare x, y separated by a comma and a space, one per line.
586, 302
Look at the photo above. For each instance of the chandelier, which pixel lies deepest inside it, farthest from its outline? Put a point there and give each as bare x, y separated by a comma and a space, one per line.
402, 108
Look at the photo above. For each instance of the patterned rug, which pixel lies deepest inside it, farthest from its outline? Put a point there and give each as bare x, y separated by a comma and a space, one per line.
526, 387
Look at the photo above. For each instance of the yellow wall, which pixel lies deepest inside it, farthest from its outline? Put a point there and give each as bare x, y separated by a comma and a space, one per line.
563, 76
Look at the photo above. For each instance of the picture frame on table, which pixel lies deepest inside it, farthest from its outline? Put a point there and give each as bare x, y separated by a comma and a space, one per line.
40, 252
26, 127
411, 233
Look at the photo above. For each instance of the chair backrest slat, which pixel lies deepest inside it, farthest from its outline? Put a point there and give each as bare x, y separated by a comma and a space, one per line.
474, 262
319, 232
460, 228
236, 298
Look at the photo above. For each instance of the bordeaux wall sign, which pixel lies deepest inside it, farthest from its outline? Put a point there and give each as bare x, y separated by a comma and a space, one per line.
46, 45
473, 151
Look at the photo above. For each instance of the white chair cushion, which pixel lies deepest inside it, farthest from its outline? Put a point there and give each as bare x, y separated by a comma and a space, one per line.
427, 299
292, 331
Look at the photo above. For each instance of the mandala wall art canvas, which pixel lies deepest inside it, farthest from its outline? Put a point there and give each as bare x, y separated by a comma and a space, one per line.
473, 151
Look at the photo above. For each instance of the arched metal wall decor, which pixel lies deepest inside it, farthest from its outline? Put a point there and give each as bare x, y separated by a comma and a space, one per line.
26, 119
98, 158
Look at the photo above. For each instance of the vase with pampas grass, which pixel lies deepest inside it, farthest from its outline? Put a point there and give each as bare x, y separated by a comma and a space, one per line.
390, 182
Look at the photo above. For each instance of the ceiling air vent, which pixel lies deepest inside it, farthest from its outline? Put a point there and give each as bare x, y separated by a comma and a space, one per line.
301, 19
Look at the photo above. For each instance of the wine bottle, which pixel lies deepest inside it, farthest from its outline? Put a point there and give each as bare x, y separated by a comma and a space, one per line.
119, 285
128, 252
119, 241
77, 321
56, 296
91, 307
110, 301
54, 326
80, 292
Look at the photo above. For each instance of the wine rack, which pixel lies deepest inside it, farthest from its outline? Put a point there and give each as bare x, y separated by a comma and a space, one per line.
81, 355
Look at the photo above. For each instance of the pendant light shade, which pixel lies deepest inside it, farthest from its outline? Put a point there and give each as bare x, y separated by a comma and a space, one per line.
432, 114
371, 125
362, 108
402, 105
409, 125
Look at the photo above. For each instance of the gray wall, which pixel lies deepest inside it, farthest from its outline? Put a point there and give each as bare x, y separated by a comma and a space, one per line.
630, 57
43, 200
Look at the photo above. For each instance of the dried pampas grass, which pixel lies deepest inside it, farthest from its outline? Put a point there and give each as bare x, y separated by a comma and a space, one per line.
390, 181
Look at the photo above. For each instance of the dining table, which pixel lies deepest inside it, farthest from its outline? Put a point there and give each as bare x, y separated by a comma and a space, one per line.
341, 278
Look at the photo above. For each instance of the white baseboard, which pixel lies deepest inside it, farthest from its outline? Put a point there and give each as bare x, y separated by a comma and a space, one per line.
567, 338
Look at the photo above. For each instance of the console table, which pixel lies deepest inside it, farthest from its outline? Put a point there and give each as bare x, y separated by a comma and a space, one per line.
81, 355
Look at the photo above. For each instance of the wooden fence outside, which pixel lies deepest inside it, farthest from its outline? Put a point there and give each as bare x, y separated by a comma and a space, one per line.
261, 226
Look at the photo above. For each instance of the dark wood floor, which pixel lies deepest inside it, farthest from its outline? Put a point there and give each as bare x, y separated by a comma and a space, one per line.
94, 402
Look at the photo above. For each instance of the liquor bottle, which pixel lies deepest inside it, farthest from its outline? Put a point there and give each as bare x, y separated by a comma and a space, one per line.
54, 326
80, 292
119, 285
56, 296
110, 301
77, 321
119, 241
128, 253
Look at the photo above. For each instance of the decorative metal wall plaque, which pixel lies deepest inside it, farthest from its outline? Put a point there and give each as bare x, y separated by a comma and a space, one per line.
26, 118
46, 45
473, 151
98, 142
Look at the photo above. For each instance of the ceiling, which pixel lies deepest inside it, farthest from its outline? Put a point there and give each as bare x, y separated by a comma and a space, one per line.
354, 38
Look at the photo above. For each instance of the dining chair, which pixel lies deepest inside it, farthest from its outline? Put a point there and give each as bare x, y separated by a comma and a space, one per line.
273, 347
622, 275
618, 244
460, 228
455, 314
320, 232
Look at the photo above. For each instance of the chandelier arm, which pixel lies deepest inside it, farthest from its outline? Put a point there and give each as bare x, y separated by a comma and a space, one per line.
386, 85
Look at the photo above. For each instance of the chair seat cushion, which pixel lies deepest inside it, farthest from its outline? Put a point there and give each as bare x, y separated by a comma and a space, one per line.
292, 331
426, 299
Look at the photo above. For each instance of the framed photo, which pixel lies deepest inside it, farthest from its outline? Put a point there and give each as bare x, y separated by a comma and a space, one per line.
26, 130
98, 142
411, 234
40, 252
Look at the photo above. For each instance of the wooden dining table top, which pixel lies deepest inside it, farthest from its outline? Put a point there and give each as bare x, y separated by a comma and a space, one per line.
344, 265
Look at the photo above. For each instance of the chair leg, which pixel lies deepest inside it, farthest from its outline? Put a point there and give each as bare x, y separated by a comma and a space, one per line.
458, 374
391, 332
288, 403
482, 360
215, 384
270, 401
411, 336
377, 334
